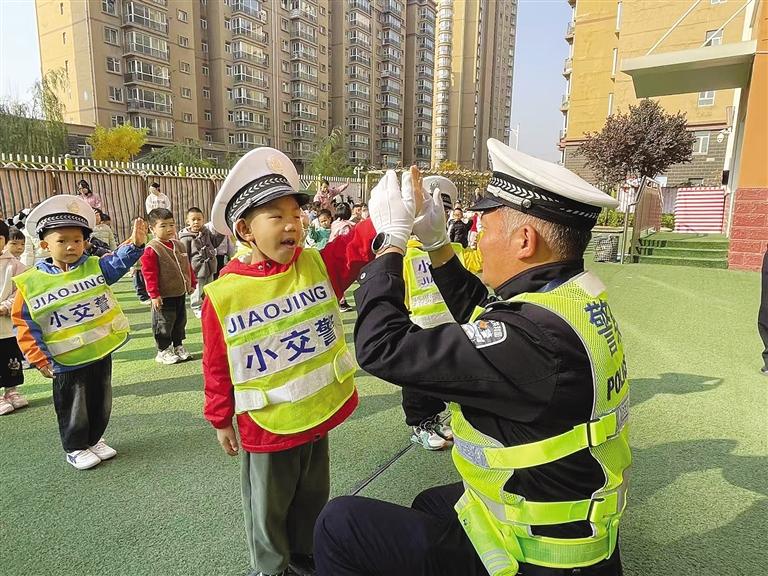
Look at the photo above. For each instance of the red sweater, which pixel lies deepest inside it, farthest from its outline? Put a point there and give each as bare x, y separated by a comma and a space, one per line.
343, 258
150, 268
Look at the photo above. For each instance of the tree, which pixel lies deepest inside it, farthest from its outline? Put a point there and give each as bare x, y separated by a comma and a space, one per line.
330, 156
642, 142
120, 143
36, 127
177, 154
448, 166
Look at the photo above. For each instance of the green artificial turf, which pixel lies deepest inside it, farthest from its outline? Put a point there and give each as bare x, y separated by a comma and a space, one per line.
169, 503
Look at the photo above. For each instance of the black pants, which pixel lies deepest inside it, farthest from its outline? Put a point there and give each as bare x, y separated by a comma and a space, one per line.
221, 260
357, 536
762, 315
83, 402
169, 323
140, 286
419, 406
11, 373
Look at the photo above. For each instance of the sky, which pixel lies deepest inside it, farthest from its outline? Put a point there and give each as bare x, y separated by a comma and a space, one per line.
537, 84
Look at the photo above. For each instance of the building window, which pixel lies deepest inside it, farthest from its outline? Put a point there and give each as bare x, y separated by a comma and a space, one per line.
203, 23
285, 66
183, 41
184, 67
227, 47
286, 107
186, 92
285, 46
182, 16
107, 6
286, 88
713, 38
204, 46
287, 127
63, 37
61, 8
113, 65
229, 94
115, 94
207, 93
208, 137
187, 117
110, 36
322, 10
283, 24
228, 70
207, 115
323, 67
231, 138
227, 24
615, 61
706, 98
610, 103
117, 120
701, 143
322, 48
230, 116
205, 70
618, 16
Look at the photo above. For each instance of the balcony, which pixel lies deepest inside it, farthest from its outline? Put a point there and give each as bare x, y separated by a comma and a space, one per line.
306, 36
144, 22
304, 134
260, 59
390, 105
390, 147
302, 95
359, 23
392, 6
260, 37
392, 41
245, 7
360, 59
251, 102
566, 102
359, 94
358, 145
567, 66
391, 89
132, 47
562, 134
303, 115
251, 80
363, 5
304, 15
296, 75
361, 77
426, 58
569, 30
147, 105
298, 55
252, 124
162, 134
132, 77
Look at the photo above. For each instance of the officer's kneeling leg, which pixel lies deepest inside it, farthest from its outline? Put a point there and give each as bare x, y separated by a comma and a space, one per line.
357, 536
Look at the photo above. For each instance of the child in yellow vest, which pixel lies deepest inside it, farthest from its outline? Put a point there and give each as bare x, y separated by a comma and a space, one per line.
68, 321
275, 355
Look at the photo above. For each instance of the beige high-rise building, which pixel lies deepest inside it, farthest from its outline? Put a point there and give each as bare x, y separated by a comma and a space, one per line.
230, 75
473, 80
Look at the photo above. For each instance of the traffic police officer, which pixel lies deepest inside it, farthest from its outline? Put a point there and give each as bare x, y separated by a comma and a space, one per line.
536, 380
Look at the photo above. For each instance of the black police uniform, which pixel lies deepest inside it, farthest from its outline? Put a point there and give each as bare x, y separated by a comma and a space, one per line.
521, 382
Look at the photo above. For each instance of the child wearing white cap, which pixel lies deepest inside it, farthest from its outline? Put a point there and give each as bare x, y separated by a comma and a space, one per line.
275, 355
68, 321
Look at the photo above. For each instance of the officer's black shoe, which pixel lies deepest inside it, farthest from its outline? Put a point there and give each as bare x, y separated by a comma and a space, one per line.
764, 370
302, 565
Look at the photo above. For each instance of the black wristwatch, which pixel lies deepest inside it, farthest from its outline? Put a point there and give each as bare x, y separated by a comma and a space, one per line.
381, 241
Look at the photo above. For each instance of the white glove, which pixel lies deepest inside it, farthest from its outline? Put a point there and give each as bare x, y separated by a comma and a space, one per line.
391, 212
430, 224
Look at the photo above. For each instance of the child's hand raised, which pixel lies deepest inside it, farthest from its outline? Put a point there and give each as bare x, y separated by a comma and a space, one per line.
139, 233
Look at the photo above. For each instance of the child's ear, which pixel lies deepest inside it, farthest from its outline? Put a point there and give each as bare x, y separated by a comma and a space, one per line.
44, 244
243, 230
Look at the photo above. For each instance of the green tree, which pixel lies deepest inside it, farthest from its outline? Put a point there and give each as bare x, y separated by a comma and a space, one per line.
330, 156
36, 127
644, 141
120, 143
177, 154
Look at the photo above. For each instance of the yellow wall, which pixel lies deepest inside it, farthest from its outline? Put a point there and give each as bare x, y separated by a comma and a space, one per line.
643, 23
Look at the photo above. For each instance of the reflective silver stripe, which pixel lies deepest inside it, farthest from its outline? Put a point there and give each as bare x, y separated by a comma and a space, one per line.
119, 324
590, 283
471, 452
430, 320
293, 391
427, 299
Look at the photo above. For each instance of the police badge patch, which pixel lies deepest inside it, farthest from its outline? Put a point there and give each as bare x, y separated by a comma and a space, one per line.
485, 333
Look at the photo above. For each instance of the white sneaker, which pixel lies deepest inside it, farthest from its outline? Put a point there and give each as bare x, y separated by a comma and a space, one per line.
432, 434
102, 450
83, 459
182, 353
167, 356
5, 406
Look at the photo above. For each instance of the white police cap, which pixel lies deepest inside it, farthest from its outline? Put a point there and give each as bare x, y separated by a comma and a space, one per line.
448, 190
62, 211
540, 188
262, 175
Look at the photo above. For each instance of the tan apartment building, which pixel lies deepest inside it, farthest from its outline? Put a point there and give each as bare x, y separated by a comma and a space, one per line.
603, 33
473, 79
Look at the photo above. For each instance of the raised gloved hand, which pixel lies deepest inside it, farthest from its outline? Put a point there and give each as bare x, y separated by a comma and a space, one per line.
430, 225
391, 211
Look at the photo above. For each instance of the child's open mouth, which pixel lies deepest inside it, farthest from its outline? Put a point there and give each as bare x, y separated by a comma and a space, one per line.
290, 243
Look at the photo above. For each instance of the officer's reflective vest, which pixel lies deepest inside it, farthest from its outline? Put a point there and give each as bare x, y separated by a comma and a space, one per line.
78, 314
423, 298
289, 362
499, 523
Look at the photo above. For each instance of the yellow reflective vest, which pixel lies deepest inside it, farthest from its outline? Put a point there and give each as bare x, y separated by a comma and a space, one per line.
422, 296
499, 523
78, 314
288, 359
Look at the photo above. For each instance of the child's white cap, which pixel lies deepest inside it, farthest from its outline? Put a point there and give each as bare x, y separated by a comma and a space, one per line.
262, 175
